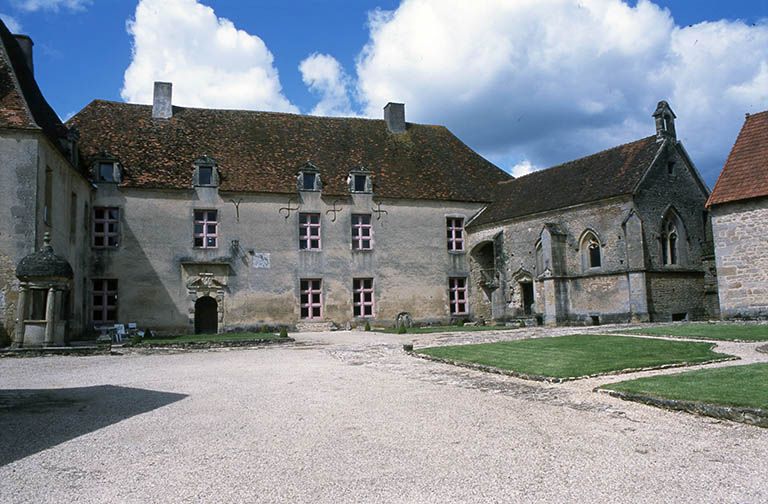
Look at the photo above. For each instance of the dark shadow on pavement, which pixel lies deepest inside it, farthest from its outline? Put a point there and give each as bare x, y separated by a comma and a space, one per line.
32, 420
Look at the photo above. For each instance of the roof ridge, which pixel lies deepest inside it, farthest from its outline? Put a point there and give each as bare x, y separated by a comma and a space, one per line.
266, 112
581, 159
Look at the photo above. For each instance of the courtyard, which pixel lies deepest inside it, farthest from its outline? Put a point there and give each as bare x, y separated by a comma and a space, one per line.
351, 417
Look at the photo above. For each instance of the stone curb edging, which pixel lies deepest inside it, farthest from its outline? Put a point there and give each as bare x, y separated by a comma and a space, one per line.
750, 416
687, 338
550, 379
65, 351
204, 345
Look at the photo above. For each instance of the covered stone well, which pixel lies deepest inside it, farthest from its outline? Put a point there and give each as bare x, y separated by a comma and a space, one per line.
44, 284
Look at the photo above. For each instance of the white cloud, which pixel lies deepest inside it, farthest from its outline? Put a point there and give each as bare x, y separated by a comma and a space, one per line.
551, 80
52, 5
524, 167
13, 24
210, 62
325, 76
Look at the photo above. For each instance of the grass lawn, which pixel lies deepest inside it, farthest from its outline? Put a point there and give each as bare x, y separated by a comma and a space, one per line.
447, 328
732, 332
578, 355
740, 386
210, 338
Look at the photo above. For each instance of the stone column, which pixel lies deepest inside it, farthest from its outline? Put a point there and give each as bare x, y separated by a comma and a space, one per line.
638, 297
50, 316
21, 316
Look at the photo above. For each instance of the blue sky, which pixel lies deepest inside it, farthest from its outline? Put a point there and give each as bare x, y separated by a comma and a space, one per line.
528, 87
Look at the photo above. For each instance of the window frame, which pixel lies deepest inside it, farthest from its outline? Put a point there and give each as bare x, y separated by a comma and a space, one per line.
358, 230
102, 289
362, 308
205, 234
106, 234
209, 169
589, 243
458, 295
113, 178
455, 234
310, 287
306, 239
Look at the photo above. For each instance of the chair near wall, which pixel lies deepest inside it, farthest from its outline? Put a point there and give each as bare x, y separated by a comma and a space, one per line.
45, 280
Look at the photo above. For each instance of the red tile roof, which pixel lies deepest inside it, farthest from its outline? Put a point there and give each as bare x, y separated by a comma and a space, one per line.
262, 151
22, 105
745, 174
606, 174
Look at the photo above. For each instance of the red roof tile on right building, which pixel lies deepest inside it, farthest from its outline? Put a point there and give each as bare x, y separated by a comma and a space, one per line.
745, 174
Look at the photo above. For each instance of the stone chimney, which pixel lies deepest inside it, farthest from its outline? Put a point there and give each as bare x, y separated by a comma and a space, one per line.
665, 122
162, 107
26, 48
394, 116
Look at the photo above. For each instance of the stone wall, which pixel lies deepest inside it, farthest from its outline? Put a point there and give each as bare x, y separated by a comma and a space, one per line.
156, 260
631, 283
24, 158
741, 251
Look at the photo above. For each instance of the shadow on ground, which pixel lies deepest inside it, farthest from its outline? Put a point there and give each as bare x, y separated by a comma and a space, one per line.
32, 420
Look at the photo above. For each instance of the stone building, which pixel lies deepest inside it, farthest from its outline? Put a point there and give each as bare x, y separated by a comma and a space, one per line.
617, 236
41, 188
739, 206
183, 219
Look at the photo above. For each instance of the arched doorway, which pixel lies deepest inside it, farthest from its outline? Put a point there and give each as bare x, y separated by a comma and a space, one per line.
206, 315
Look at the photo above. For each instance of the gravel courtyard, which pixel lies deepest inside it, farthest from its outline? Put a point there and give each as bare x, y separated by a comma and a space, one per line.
349, 417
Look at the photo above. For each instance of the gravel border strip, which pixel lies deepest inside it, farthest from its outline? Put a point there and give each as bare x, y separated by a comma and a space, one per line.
750, 416
204, 345
552, 379
59, 351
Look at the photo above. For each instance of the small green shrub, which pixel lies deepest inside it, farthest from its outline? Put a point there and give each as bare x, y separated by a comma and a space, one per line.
401, 329
136, 339
367, 326
283, 332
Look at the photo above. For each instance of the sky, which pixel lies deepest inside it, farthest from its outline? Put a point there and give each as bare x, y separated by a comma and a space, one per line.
527, 83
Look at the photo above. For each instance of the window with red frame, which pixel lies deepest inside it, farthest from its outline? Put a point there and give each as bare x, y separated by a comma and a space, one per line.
455, 229
362, 232
106, 227
309, 231
458, 295
206, 229
311, 298
362, 298
104, 301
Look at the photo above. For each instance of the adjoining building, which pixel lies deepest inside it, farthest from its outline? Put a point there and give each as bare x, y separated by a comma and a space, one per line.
195, 220
617, 236
739, 206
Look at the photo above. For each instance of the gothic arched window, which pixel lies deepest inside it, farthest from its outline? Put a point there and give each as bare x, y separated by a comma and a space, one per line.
672, 235
591, 256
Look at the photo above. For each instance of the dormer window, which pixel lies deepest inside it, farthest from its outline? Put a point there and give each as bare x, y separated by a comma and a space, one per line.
107, 172
206, 174
308, 178
360, 181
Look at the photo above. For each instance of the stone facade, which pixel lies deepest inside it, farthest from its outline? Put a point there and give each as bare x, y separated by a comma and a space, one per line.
30, 162
254, 273
632, 281
740, 229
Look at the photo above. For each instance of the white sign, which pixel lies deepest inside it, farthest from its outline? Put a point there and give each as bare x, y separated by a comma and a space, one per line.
261, 261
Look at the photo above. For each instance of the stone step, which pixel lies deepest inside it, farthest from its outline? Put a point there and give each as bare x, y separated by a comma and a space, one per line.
315, 326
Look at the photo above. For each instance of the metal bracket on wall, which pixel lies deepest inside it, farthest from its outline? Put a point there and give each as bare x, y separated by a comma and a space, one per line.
288, 209
379, 212
237, 207
334, 210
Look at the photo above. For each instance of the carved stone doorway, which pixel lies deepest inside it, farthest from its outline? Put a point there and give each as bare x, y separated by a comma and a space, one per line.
206, 315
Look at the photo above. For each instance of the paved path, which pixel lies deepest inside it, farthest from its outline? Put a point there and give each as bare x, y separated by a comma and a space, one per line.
349, 417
